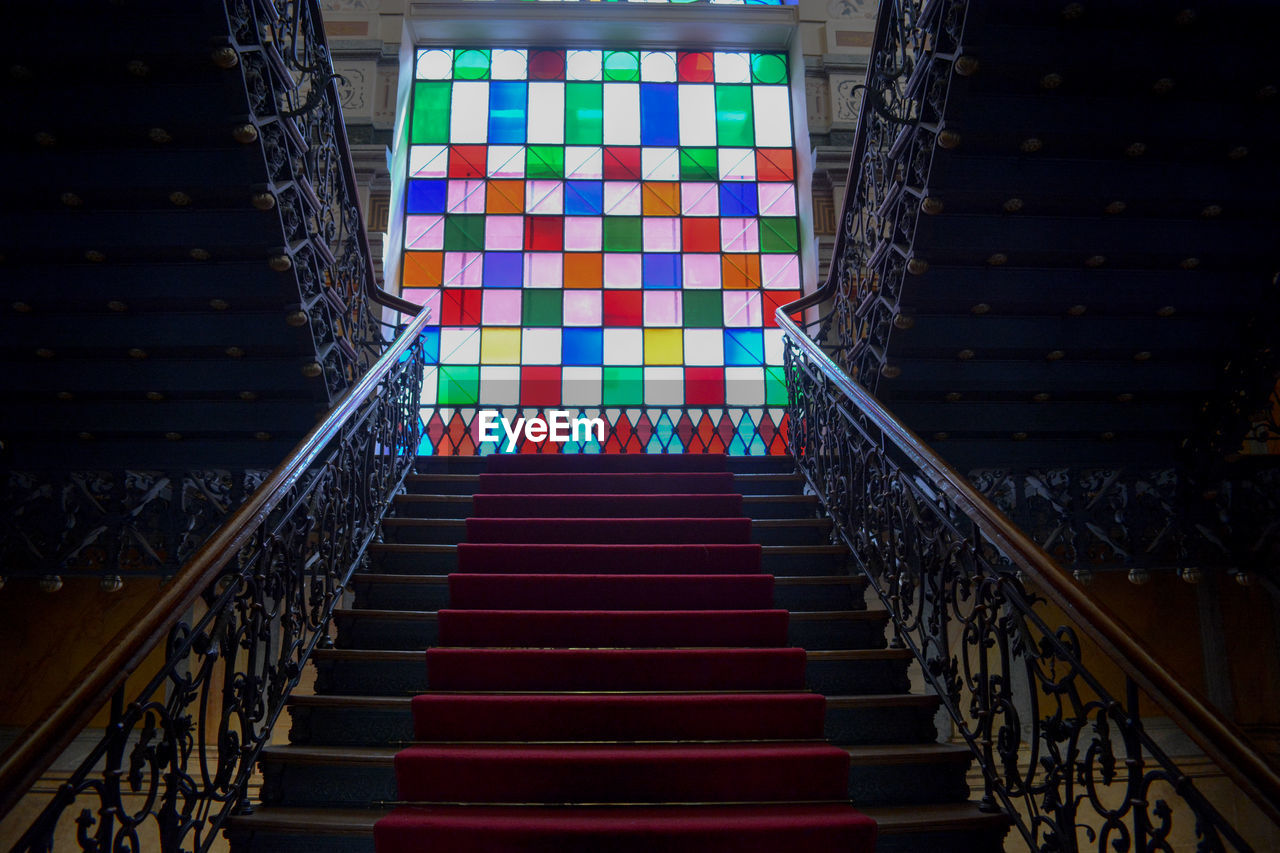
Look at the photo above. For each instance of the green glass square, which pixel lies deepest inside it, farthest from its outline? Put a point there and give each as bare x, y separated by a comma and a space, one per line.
622, 234
464, 232
583, 113
698, 164
544, 161
779, 234
459, 385
735, 122
622, 65
768, 68
775, 386
703, 309
622, 386
430, 112
542, 308
471, 65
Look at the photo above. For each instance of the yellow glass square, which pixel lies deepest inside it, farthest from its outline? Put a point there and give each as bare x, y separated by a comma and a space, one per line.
663, 346
499, 345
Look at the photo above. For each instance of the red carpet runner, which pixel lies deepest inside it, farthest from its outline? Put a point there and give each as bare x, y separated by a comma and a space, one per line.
612, 676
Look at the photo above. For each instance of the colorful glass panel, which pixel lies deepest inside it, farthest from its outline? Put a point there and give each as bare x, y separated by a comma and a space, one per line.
608, 231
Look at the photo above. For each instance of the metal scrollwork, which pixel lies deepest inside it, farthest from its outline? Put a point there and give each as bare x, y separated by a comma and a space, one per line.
295, 97
899, 120
1068, 760
180, 744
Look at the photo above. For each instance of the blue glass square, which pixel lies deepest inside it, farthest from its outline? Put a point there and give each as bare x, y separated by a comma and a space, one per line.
507, 112
659, 114
431, 346
743, 347
582, 347
584, 198
426, 197
503, 269
661, 272
738, 199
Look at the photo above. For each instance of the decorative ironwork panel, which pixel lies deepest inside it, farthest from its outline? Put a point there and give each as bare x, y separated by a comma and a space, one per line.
1066, 758
180, 745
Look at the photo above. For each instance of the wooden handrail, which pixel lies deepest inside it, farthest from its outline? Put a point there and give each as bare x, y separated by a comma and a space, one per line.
64, 718
1221, 740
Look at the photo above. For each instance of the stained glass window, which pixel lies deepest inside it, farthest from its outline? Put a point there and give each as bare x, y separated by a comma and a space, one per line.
608, 230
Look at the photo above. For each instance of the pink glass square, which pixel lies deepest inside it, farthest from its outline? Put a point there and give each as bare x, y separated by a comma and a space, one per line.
701, 271
582, 233
544, 197
462, 269
780, 272
699, 199
739, 235
424, 232
504, 232
427, 297
661, 234
544, 269
662, 308
583, 308
622, 270
466, 196
742, 308
501, 307
777, 199
622, 198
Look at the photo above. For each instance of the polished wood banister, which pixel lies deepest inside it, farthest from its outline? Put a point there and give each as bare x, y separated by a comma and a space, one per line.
1221, 740
59, 723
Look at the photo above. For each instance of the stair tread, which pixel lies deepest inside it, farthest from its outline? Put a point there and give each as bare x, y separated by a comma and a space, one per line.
416, 654
906, 753
874, 700
891, 820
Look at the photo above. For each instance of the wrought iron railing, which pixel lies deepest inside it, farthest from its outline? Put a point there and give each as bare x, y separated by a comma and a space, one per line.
1058, 736
233, 631
297, 112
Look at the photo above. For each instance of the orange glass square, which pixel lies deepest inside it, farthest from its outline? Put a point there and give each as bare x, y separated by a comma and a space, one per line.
504, 197
423, 269
583, 269
739, 272
660, 198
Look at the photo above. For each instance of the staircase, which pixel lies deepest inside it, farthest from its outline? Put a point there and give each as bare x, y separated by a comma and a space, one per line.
1088, 212
185, 269
337, 777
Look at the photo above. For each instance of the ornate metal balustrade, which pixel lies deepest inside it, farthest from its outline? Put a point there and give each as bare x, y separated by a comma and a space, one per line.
233, 631
297, 110
1062, 748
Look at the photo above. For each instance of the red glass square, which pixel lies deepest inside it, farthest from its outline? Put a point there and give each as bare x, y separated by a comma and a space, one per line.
467, 161
540, 386
624, 308
544, 233
695, 68
700, 234
775, 164
460, 306
704, 386
546, 65
773, 300
621, 164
